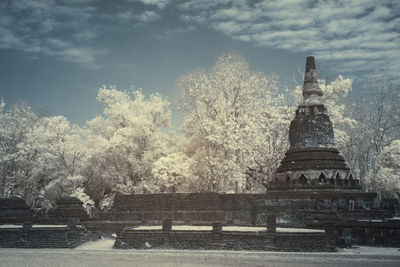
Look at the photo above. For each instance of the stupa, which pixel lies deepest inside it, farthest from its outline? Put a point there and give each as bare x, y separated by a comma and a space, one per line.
312, 162
313, 185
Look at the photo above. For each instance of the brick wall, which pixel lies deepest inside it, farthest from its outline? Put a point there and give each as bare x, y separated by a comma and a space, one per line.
239, 208
371, 233
145, 239
50, 237
67, 208
183, 206
160, 215
14, 210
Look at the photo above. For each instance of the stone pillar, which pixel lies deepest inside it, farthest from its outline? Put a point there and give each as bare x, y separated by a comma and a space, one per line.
217, 237
330, 235
167, 225
25, 234
347, 236
330, 230
271, 223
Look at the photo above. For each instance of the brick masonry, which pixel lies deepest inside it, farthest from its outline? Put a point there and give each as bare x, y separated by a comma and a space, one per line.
369, 233
49, 237
67, 208
242, 208
14, 210
231, 240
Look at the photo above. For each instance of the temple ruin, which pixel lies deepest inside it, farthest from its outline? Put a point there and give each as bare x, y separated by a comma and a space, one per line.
313, 189
312, 162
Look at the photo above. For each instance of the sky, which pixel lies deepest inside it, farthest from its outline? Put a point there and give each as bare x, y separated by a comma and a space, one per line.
56, 54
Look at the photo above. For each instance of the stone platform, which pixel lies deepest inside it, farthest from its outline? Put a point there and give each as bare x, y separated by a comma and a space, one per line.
216, 238
44, 236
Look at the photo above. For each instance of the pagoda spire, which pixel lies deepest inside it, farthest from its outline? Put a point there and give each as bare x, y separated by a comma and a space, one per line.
311, 90
312, 159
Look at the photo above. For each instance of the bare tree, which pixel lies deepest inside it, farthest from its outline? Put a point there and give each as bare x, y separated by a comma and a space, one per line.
377, 113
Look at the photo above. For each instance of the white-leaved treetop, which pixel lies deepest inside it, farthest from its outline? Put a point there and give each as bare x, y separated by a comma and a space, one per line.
52, 157
15, 123
124, 143
174, 173
234, 125
386, 177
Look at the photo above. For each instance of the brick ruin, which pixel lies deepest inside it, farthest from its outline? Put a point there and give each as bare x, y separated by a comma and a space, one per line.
20, 227
312, 162
14, 210
313, 184
29, 235
227, 240
67, 208
313, 188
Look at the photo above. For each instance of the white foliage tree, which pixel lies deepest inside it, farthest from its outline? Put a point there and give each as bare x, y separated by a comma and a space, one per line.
234, 123
386, 178
15, 124
124, 144
51, 157
174, 173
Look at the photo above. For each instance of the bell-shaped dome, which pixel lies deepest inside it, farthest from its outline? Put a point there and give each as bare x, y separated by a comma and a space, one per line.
311, 162
311, 127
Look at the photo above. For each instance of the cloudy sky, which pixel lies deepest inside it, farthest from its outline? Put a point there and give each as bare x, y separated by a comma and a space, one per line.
57, 53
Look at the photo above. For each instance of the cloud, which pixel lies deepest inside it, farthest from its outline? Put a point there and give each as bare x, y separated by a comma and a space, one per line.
50, 28
82, 55
173, 33
147, 16
160, 4
130, 17
355, 36
198, 5
125, 16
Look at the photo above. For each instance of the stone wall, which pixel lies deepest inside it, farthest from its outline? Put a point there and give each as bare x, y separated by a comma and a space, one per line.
179, 202
370, 233
183, 206
14, 210
49, 237
295, 209
160, 215
67, 208
145, 239
393, 205
241, 205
